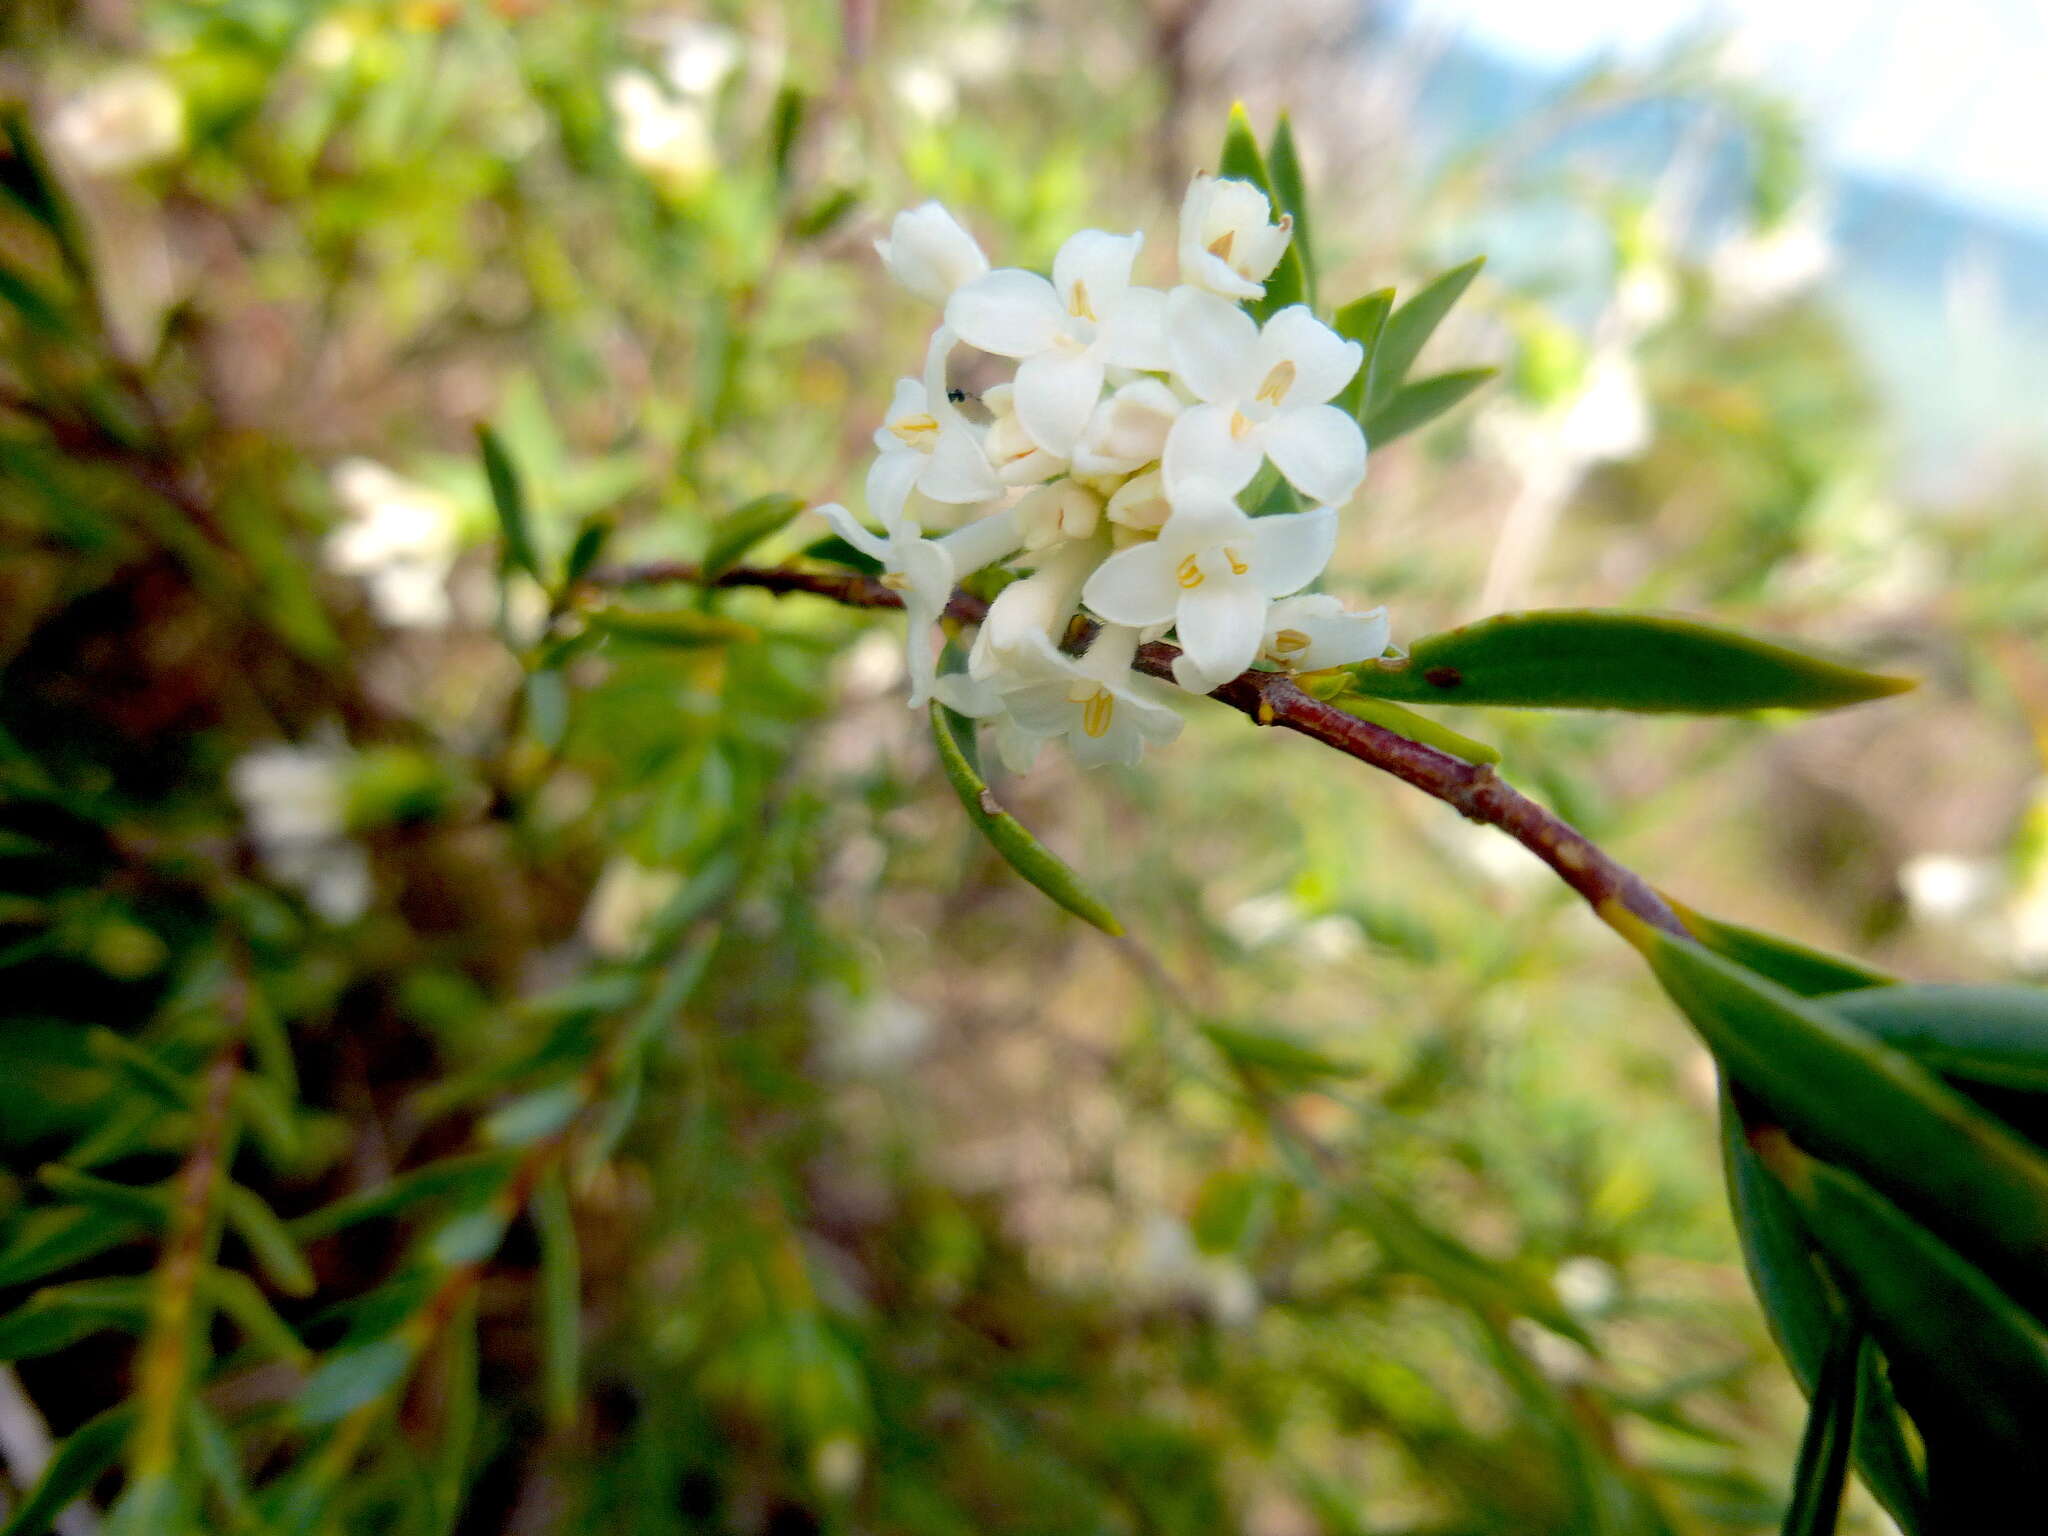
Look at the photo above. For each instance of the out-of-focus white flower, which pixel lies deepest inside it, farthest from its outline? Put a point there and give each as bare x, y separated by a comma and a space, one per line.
128, 118
1212, 573
1315, 630
874, 1036
926, 91
697, 56
1563, 1360
627, 897
295, 802
399, 538
1944, 887
837, 1462
1761, 269
1265, 394
1259, 920
1610, 418
1066, 333
1586, 1285
929, 253
668, 137
1229, 243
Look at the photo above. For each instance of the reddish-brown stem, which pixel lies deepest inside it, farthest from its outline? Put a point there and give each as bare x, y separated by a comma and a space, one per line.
1474, 790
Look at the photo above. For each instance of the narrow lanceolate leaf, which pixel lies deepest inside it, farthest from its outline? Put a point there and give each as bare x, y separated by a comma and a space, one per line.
679, 629
1242, 161
1994, 1035
834, 550
271, 1243
1822, 1470
1290, 194
1418, 404
1363, 321
1795, 967
740, 530
1805, 1316
1405, 722
61, 1315
1596, 658
80, 1462
508, 497
1858, 1102
1967, 1360
1275, 1055
1409, 327
1020, 850
560, 1299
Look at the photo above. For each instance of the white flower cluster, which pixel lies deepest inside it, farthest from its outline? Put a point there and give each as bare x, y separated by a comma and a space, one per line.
1109, 466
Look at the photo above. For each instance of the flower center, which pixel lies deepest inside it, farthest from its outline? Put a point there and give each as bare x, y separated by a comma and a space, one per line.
1288, 641
1078, 306
1096, 711
1240, 426
1220, 246
1277, 383
1189, 573
913, 429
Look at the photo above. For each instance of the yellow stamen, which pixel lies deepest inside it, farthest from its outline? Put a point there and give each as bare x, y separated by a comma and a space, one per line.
1288, 641
894, 582
1278, 382
1096, 712
911, 428
1240, 425
1189, 574
1220, 246
1079, 307
1237, 566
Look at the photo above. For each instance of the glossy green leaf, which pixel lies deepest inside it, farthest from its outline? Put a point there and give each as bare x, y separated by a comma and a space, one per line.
1593, 658
588, 547
559, 1299
1019, 849
1805, 1316
1406, 722
87, 1452
1409, 327
1873, 1109
1822, 1471
1796, 967
743, 528
1275, 1055
1363, 320
508, 499
1290, 191
1985, 1034
1958, 1344
1418, 404
834, 550
679, 629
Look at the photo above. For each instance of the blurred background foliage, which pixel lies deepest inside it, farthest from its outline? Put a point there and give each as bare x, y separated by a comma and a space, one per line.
488, 1051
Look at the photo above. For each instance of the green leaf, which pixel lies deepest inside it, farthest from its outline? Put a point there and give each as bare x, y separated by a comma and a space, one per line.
352, 1376
1290, 190
508, 498
59, 1236
1409, 327
1595, 658
1822, 1470
37, 191
37, 311
450, 1466
148, 1204
1405, 722
1858, 1102
1957, 1343
1415, 405
239, 1298
1805, 1316
1985, 1034
677, 629
560, 1299
61, 1315
588, 547
1275, 1055
270, 1241
1019, 849
87, 1452
738, 532
464, 1180
1795, 967
834, 550
1363, 321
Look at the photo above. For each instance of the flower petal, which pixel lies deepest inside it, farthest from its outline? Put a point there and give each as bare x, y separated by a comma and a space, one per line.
1210, 342
1101, 263
890, 479
844, 524
1133, 333
1010, 312
1134, 586
1291, 550
1056, 393
958, 469
1323, 361
1320, 450
1220, 624
1200, 446
1341, 639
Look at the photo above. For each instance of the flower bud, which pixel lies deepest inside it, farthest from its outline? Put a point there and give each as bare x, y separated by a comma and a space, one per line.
930, 254
1128, 430
1227, 244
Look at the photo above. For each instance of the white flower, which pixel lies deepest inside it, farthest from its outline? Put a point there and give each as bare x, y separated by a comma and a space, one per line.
623, 904
697, 56
1610, 419
1213, 572
924, 571
1140, 503
927, 446
1093, 701
930, 254
1063, 510
1228, 245
1018, 460
1315, 630
295, 801
667, 138
400, 539
126, 119
1264, 393
1128, 430
1066, 333
1034, 609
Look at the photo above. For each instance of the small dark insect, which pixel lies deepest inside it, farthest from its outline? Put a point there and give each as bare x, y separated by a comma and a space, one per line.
958, 396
